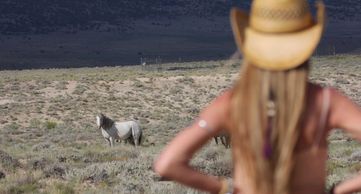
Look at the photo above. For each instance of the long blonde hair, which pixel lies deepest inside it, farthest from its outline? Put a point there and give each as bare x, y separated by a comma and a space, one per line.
251, 127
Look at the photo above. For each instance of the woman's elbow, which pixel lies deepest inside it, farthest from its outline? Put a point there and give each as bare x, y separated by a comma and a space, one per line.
162, 166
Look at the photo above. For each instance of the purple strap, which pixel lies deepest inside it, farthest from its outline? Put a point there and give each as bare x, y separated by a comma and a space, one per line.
267, 148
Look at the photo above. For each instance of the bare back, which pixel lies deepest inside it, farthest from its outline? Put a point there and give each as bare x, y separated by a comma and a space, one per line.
311, 149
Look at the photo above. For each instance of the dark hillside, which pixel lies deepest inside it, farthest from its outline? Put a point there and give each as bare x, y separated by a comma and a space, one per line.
42, 16
78, 33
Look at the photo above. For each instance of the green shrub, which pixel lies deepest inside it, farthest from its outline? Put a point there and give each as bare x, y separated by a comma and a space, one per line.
50, 124
35, 123
60, 188
25, 188
12, 126
80, 89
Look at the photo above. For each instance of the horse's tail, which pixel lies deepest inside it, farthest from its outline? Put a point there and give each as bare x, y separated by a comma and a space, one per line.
137, 133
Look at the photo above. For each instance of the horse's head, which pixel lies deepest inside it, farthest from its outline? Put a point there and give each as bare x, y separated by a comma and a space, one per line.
104, 122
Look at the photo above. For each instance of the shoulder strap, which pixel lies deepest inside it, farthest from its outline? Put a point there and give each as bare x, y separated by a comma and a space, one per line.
326, 97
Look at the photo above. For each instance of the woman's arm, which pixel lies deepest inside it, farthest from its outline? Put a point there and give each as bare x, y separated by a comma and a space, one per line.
346, 115
173, 162
349, 186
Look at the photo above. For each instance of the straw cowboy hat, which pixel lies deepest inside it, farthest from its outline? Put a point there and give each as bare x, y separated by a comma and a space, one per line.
278, 34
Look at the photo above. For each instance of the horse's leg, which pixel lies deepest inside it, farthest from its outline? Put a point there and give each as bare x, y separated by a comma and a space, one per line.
140, 137
111, 141
130, 140
216, 139
228, 140
108, 141
223, 140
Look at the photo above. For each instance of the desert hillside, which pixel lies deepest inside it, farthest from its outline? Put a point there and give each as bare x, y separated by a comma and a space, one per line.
49, 142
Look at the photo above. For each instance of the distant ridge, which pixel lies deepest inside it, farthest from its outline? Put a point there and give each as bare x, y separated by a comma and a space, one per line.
89, 33
43, 16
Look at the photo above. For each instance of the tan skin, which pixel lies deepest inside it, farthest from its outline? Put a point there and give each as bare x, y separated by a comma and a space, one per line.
173, 162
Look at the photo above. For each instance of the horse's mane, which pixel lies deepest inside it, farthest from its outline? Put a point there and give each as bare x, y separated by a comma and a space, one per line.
106, 122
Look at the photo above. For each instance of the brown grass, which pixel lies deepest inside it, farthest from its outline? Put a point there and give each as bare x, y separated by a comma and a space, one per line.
47, 123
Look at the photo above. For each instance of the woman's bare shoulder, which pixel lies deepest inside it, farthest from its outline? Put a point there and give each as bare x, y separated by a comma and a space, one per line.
316, 91
218, 109
224, 97
335, 95
343, 113
222, 101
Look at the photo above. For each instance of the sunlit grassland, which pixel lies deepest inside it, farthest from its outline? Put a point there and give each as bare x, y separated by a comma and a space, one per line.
50, 143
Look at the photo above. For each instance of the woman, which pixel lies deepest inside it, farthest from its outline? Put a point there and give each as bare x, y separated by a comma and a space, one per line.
278, 121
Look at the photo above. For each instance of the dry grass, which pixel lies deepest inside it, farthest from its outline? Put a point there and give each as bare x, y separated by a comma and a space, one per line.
47, 124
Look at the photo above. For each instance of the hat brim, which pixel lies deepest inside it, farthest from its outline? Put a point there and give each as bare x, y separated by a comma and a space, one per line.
276, 51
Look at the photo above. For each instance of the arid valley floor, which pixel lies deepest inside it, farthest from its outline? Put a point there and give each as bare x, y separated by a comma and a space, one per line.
49, 142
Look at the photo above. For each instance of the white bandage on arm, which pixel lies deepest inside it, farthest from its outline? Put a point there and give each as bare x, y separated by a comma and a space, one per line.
204, 125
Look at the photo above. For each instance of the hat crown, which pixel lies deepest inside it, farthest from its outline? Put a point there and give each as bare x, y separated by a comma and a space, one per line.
278, 16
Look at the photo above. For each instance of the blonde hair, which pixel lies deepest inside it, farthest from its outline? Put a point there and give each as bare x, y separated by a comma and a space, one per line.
252, 93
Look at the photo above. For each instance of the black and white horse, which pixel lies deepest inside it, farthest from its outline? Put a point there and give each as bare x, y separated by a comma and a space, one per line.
111, 131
